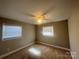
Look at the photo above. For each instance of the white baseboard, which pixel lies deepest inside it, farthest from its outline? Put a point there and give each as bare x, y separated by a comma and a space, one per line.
6, 54
55, 46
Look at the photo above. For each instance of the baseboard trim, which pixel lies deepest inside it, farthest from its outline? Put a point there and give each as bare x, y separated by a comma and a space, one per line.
6, 54
55, 46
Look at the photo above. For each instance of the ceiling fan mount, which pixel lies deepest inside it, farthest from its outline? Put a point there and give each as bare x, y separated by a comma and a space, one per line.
39, 17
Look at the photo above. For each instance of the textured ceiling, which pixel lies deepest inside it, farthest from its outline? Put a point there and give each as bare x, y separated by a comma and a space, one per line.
18, 9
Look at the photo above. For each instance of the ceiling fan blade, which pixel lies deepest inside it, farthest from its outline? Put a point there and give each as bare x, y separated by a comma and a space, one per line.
28, 14
49, 10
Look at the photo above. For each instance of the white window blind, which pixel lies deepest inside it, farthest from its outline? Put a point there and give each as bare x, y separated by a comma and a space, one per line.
48, 31
11, 32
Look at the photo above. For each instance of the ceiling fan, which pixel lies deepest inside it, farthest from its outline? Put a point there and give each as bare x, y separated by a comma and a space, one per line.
40, 17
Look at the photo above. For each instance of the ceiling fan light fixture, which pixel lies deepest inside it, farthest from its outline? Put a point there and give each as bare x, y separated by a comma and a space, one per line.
39, 21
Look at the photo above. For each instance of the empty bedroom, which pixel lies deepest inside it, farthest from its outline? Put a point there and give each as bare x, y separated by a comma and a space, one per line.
39, 29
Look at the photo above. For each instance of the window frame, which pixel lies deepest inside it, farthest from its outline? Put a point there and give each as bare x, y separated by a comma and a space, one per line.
48, 31
11, 38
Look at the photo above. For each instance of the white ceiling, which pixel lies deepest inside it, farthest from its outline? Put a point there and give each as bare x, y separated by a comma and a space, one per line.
17, 9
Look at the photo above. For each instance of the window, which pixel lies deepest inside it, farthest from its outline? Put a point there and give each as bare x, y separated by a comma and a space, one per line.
48, 31
11, 32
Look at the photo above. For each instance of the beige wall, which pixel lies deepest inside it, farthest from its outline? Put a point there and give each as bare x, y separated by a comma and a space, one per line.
74, 31
28, 36
60, 37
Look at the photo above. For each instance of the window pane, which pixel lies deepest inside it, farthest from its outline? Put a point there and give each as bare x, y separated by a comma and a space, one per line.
11, 31
48, 31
